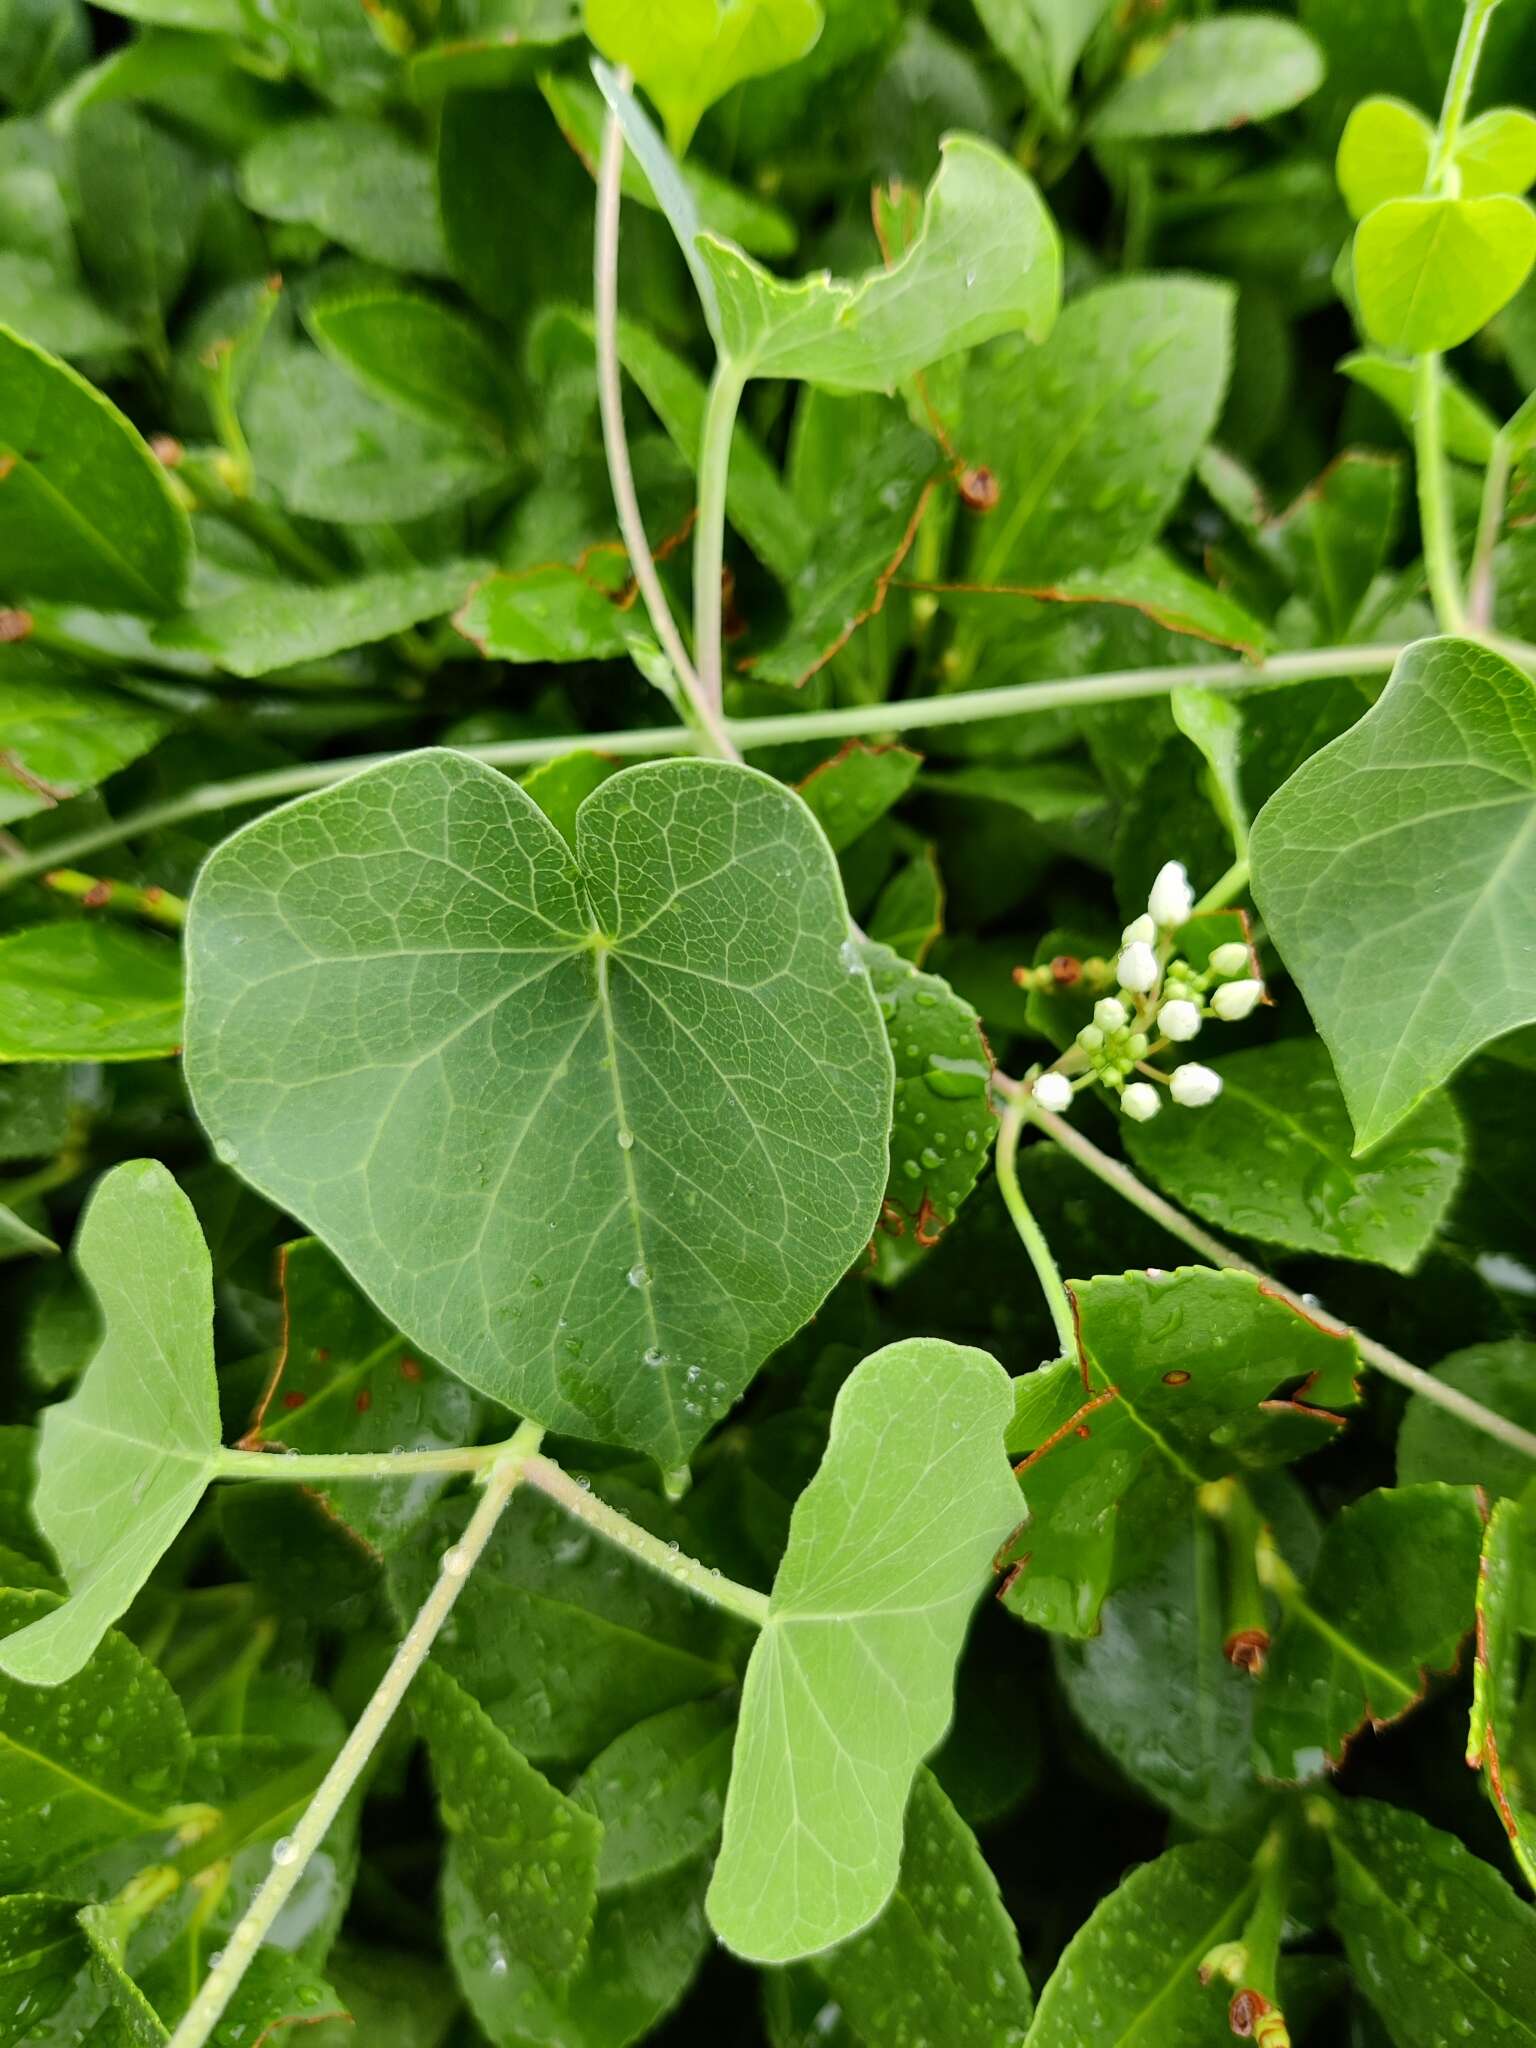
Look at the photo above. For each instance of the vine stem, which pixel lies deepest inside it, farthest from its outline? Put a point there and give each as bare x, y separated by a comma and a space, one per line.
1458, 91
1010, 1124
1115, 1174
848, 721
291, 1856
1436, 519
610, 397
709, 537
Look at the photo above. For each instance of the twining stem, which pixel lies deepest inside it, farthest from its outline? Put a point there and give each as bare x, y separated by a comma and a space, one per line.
1436, 518
291, 1856
709, 536
1458, 91
704, 706
1010, 1123
1115, 1174
848, 721
1224, 888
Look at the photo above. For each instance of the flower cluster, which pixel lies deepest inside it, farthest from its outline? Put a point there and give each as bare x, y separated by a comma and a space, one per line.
1164, 1001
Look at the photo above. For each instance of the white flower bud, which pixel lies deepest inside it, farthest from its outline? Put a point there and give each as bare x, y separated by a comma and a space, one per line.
1054, 1092
1194, 1086
1172, 898
1141, 1102
1137, 970
1110, 1014
1179, 1020
1141, 931
1230, 959
1234, 1000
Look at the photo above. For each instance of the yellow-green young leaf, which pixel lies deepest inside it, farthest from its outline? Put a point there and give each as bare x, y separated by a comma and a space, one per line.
689, 53
1497, 153
1431, 272
1397, 864
599, 1129
1383, 154
1437, 1939
124, 1462
88, 992
1129, 1976
525, 1852
42, 1951
1387, 1603
1499, 1735
58, 739
986, 261
1214, 74
86, 513
91, 1762
850, 1683
1466, 423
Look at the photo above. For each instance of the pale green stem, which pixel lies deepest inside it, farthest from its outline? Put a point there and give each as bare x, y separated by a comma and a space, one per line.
159, 906
1458, 91
291, 1856
1115, 1174
309, 1468
675, 1564
709, 535
848, 721
1436, 520
1490, 522
1224, 888
1033, 1237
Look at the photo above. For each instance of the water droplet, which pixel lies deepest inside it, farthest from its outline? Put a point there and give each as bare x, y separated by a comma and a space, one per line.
637, 1276
284, 1852
456, 1562
225, 1152
626, 1140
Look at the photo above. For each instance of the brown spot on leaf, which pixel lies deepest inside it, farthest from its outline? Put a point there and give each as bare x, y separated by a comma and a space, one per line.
294, 1400
364, 1401
409, 1369
1177, 1378
14, 625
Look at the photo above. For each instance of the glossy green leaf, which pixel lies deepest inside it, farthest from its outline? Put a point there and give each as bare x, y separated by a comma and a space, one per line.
1214, 74
1398, 861
1465, 421
358, 181
125, 1461
1442, 1946
848, 791
670, 1020
1338, 535
690, 55
270, 626
1092, 437
1435, 1444
942, 1125
526, 1854
1499, 1732
552, 613
92, 1762
1174, 1387
1383, 154
142, 195
1271, 1159
58, 739
849, 1684
1431, 272
909, 914
1387, 1603
428, 361
659, 1792
1129, 1975
19, 1239
85, 510
54, 313
42, 1951
550, 1595
1214, 724
88, 992
986, 261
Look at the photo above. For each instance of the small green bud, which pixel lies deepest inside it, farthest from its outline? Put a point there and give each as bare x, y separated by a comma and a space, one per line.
1231, 959
1090, 1038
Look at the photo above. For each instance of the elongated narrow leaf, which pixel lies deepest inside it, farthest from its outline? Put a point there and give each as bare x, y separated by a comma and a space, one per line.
86, 513
561, 1115
91, 1762
88, 992
849, 1685
1498, 1738
125, 1461
58, 739
1388, 1603
986, 261
1399, 861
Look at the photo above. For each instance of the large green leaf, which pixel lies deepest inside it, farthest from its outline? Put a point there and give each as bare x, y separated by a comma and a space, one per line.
88, 992
57, 739
1398, 865
1388, 1601
1435, 1444
125, 1461
1129, 1977
86, 513
42, 1951
850, 1682
1431, 272
1441, 1945
986, 260
358, 181
1271, 1159
1214, 74
85, 1764
689, 53
599, 1129
1092, 437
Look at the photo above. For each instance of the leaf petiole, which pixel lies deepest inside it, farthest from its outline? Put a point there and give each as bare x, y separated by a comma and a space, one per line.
1009, 1127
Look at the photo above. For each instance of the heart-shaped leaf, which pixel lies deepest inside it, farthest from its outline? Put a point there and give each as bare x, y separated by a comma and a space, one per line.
1383, 153
1497, 152
600, 1129
689, 53
1431, 272
124, 1462
849, 1685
